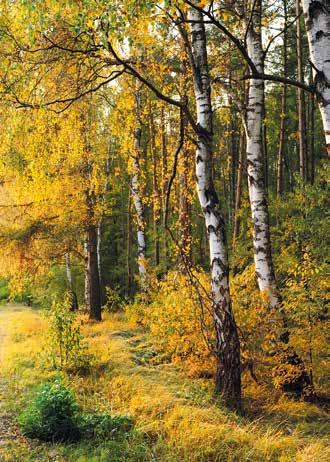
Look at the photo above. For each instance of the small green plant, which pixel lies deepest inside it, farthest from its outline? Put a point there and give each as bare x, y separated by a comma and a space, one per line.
114, 302
51, 415
67, 347
103, 426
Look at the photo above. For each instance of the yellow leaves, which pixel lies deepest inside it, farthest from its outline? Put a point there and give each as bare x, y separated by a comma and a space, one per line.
174, 318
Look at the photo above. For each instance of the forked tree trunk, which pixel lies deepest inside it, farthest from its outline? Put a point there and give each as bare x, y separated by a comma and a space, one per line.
228, 375
137, 197
255, 165
317, 20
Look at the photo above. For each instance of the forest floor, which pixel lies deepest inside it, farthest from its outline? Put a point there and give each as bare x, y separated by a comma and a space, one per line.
177, 419
9, 432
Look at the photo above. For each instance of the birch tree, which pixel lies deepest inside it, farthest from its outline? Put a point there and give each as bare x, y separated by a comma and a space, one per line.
228, 378
317, 20
136, 194
255, 162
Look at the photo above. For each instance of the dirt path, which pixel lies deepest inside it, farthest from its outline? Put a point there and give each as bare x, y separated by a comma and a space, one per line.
8, 432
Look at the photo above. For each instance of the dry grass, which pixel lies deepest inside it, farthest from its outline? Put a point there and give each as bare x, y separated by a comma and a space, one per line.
177, 418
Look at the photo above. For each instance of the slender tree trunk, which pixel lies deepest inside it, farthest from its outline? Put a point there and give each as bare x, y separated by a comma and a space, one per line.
185, 163
312, 139
71, 292
232, 161
255, 166
265, 144
301, 100
228, 375
92, 280
129, 246
137, 195
239, 182
185, 211
317, 20
99, 252
156, 193
93, 275
164, 180
282, 141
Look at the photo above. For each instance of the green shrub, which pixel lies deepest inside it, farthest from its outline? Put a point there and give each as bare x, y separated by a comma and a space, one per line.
52, 414
67, 347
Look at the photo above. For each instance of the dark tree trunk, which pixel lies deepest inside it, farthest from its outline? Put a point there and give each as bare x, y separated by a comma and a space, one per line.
92, 279
301, 100
282, 140
239, 183
156, 191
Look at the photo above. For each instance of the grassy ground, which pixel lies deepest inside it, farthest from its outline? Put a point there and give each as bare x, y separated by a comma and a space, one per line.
177, 419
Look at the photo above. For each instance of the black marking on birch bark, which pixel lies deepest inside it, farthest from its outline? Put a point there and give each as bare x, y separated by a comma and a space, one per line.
316, 8
260, 249
212, 198
199, 159
223, 266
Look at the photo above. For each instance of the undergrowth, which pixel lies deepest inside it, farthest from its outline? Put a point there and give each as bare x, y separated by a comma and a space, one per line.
176, 418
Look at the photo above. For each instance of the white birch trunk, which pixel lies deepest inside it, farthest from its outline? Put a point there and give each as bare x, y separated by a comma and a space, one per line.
137, 200
68, 271
255, 166
227, 348
317, 20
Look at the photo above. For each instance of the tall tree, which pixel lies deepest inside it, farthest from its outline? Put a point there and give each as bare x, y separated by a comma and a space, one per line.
136, 192
255, 161
317, 20
228, 375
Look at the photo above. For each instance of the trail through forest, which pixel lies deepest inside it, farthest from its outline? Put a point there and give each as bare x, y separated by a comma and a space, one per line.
8, 432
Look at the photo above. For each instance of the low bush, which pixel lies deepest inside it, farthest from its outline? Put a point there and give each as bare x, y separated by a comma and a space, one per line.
178, 316
53, 415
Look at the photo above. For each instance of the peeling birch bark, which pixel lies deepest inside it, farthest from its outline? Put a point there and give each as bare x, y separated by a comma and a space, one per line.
317, 20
